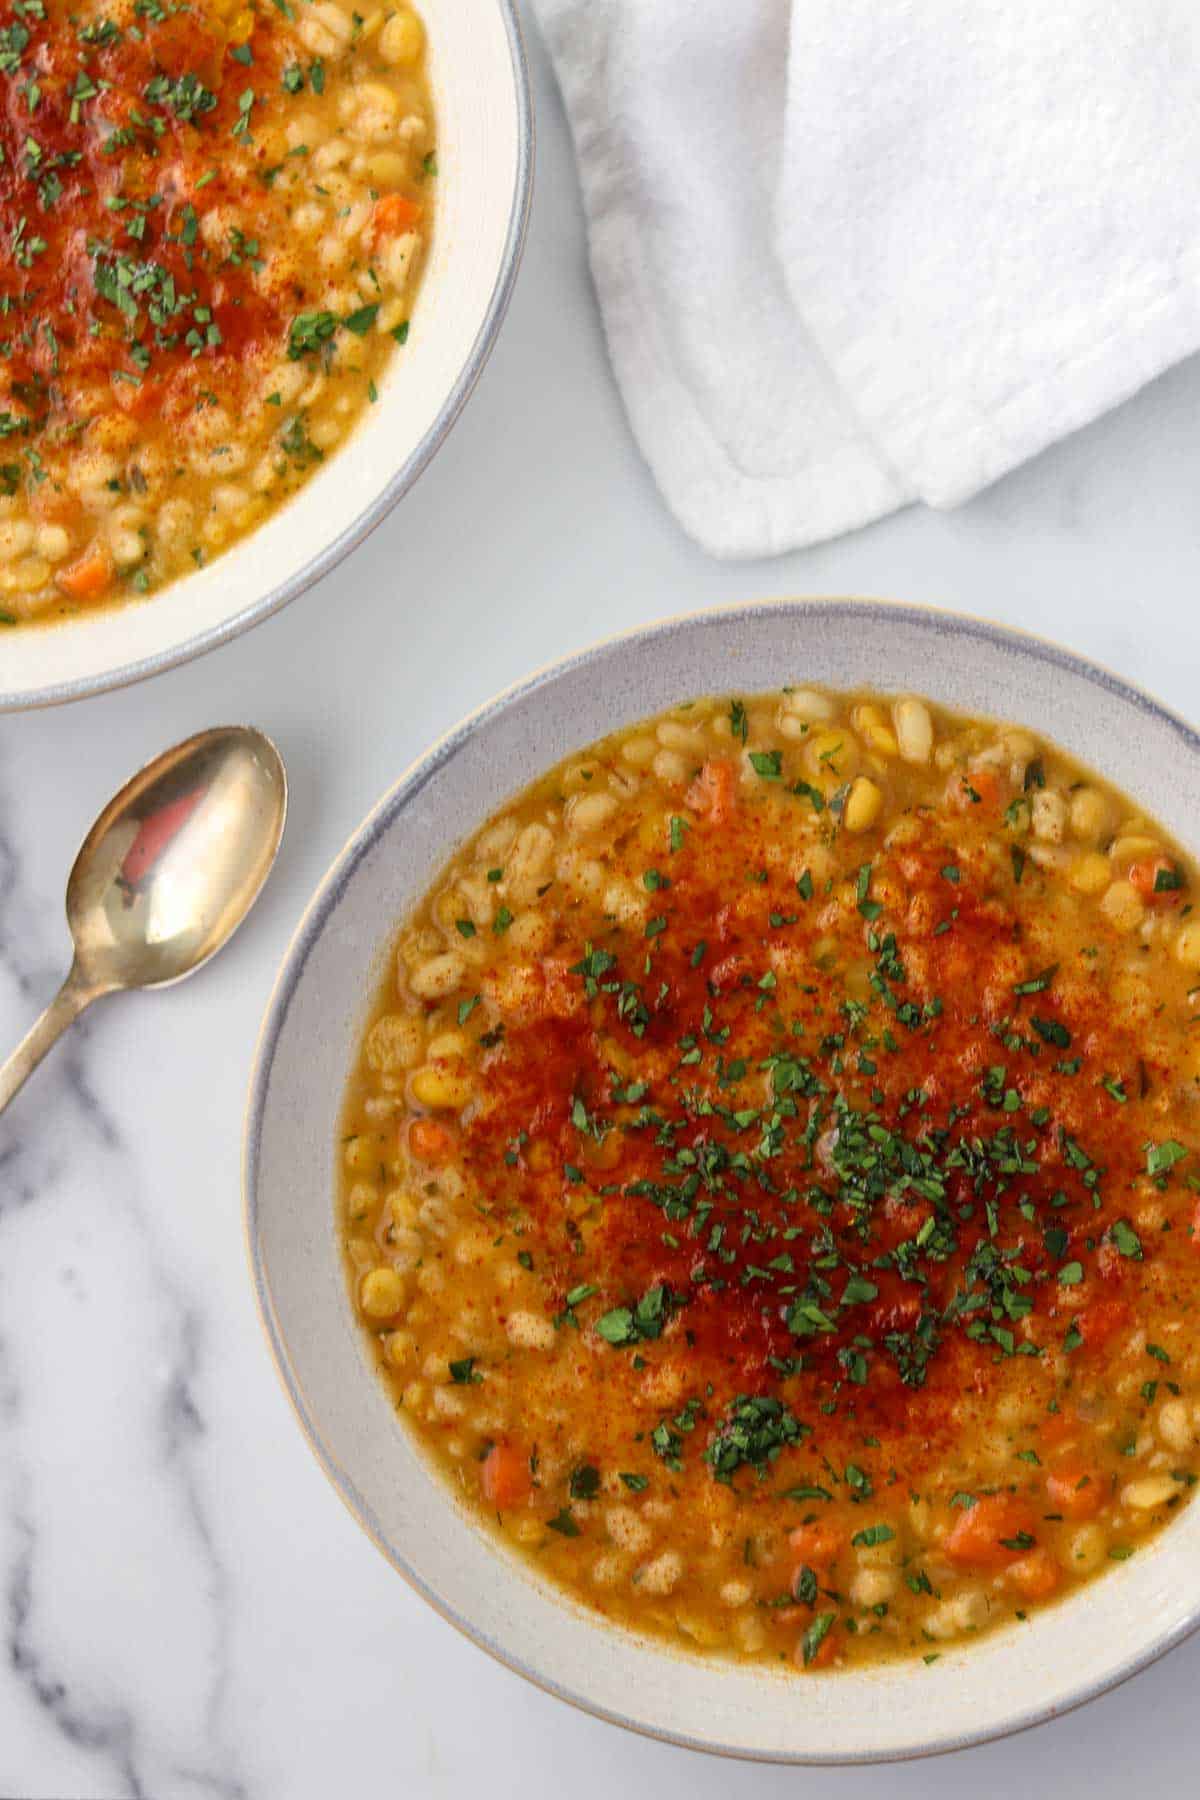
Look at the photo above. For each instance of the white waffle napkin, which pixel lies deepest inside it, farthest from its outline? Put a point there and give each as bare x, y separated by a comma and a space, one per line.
852, 253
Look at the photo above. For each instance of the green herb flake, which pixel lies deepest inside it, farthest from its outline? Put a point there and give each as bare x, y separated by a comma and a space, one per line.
815, 1636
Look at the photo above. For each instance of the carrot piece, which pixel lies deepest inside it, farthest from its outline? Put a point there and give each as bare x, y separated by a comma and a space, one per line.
1145, 876
1056, 1428
806, 1655
713, 791
505, 1477
989, 1534
87, 578
394, 213
430, 1141
1035, 1576
1196, 1226
1075, 1490
818, 1544
1102, 1320
979, 789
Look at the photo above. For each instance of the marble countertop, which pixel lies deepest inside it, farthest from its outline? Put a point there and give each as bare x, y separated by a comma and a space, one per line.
185, 1607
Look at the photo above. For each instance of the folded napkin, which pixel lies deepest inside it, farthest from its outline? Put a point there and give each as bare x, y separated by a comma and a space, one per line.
853, 253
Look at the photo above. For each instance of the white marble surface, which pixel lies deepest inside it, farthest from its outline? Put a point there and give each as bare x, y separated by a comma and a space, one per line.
185, 1608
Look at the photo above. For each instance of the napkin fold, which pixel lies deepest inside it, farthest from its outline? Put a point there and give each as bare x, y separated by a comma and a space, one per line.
853, 253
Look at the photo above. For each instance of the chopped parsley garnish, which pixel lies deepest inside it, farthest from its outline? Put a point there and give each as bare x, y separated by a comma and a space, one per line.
753, 1432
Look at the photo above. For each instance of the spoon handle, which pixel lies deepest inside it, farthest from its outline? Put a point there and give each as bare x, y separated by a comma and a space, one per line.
65, 1007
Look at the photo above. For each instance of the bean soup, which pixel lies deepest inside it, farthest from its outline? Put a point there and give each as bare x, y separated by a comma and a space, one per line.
213, 218
770, 1176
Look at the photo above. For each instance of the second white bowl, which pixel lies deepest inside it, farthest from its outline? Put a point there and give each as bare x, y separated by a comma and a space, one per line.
1012, 1679
485, 152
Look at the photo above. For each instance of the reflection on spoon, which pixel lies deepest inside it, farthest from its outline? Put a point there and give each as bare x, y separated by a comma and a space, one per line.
166, 875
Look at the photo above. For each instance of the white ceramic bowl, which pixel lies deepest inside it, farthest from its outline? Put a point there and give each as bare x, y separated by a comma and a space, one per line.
1014, 1678
485, 155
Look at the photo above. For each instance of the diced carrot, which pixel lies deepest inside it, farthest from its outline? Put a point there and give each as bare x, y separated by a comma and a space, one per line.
1101, 1320
393, 214
1145, 877
1196, 1226
713, 791
505, 1477
430, 1141
976, 790
821, 1657
819, 1544
1075, 1490
87, 578
989, 1534
1035, 1576
1056, 1428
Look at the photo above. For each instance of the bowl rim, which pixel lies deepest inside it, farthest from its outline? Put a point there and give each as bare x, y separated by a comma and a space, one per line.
58, 693
312, 923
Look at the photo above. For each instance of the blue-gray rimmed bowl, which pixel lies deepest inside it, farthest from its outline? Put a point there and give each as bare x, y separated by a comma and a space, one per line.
1014, 1678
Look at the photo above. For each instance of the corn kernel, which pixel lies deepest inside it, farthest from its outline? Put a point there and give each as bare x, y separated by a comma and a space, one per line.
1090, 873
864, 803
447, 1089
381, 1294
402, 39
1122, 906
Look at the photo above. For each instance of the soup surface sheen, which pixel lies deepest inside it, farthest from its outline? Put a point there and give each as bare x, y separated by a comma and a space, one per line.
770, 1176
213, 215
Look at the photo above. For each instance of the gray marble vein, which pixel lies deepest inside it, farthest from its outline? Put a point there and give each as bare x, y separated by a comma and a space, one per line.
106, 1731
61, 1334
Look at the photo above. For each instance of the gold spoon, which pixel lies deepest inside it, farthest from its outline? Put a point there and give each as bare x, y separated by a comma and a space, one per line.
165, 876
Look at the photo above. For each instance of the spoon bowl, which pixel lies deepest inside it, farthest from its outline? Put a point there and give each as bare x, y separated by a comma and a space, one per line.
176, 860
165, 875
